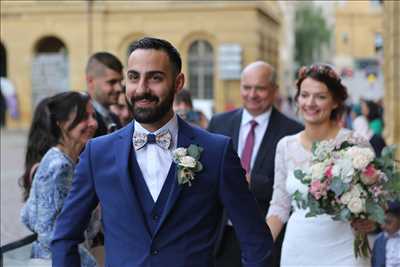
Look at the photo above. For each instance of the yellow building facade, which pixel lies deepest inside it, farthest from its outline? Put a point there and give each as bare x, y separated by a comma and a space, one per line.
392, 72
201, 30
358, 25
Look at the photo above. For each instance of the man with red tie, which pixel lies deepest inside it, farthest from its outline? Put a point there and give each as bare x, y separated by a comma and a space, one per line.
255, 130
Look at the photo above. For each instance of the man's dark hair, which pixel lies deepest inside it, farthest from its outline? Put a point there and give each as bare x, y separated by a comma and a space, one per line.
184, 96
99, 60
159, 44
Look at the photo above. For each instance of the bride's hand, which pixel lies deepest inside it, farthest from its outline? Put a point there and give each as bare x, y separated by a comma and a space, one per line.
363, 225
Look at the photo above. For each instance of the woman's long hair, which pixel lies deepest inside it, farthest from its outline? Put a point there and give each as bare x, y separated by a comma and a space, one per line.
45, 131
40, 140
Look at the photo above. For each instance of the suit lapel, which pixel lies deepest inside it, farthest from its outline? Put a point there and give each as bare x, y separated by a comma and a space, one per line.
266, 146
185, 139
235, 128
122, 148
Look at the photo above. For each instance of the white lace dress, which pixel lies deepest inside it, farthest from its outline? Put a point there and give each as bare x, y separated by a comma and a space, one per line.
315, 241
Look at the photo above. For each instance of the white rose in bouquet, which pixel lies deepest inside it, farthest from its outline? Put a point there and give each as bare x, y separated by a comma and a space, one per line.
317, 171
361, 156
180, 152
344, 168
345, 198
356, 205
188, 161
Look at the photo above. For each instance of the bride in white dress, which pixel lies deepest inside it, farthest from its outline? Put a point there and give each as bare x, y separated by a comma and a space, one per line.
314, 241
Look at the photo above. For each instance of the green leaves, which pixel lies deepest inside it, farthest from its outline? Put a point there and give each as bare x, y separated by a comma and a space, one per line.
344, 215
194, 151
337, 186
310, 38
375, 211
300, 201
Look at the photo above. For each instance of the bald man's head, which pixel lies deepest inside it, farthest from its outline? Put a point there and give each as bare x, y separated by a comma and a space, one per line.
258, 87
264, 68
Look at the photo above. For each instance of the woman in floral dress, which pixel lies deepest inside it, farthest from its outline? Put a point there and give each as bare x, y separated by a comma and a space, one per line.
73, 123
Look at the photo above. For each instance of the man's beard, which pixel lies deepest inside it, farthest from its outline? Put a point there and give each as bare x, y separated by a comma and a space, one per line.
153, 114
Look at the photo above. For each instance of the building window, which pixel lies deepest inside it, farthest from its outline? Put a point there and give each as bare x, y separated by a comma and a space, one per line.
201, 70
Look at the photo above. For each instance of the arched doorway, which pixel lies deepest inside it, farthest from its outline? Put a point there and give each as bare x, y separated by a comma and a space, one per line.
50, 68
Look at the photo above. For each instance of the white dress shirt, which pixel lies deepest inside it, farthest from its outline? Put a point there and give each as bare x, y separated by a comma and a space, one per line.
393, 250
245, 126
153, 160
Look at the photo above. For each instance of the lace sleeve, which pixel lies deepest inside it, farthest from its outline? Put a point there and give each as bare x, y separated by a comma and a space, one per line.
281, 201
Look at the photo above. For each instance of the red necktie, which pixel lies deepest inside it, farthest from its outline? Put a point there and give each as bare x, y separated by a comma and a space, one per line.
248, 147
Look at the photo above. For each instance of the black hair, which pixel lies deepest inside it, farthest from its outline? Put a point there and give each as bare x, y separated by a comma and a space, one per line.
159, 44
374, 111
394, 208
61, 106
184, 96
105, 59
326, 75
40, 140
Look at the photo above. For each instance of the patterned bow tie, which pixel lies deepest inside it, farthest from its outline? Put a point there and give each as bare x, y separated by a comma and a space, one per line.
162, 139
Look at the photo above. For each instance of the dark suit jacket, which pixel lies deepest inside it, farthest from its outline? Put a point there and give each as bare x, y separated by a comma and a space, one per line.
262, 173
378, 257
187, 229
102, 128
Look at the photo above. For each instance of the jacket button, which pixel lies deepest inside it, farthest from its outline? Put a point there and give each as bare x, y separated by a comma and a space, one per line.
154, 252
155, 217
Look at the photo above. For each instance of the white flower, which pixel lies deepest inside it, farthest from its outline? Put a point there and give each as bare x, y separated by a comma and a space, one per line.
187, 161
323, 150
356, 205
357, 191
343, 168
361, 156
345, 198
180, 152
317, 171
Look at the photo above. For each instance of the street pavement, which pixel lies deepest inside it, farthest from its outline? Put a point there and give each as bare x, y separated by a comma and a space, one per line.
12, 161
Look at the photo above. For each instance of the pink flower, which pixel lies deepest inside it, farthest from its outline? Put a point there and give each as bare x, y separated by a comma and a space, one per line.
318, 189
328, 171
370, 175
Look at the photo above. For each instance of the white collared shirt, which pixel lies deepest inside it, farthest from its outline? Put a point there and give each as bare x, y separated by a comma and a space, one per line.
393, 250
262, 120
154, 161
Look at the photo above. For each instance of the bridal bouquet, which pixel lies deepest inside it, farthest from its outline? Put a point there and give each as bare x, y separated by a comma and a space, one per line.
347, 182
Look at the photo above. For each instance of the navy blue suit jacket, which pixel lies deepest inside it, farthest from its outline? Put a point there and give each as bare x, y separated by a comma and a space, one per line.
187, 230
378, 258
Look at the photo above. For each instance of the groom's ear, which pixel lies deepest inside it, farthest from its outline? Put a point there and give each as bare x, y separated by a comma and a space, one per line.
179, 82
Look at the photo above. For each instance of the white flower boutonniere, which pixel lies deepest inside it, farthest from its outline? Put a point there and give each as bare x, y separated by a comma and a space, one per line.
187, 161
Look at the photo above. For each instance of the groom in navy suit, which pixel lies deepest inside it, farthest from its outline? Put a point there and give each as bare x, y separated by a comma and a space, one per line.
149, 217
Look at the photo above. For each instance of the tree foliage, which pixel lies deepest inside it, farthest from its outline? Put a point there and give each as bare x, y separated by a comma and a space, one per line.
311, 34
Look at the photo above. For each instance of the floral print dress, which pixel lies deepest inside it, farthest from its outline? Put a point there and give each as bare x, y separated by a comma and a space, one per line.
51, 184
